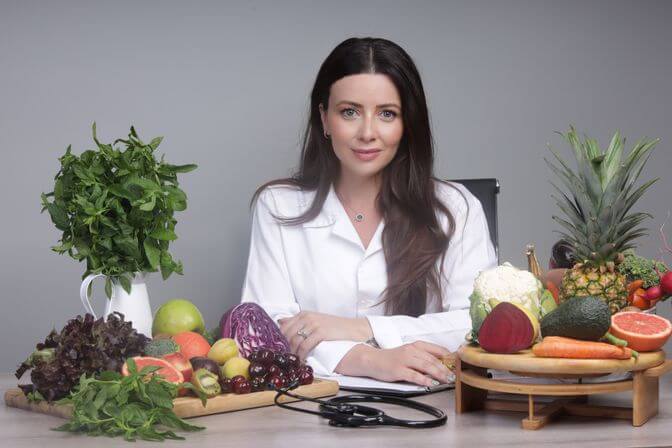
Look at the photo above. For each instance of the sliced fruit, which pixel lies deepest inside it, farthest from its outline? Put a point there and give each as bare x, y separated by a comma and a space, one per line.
201, 362
181, 363
192, 344
167, 371
644, 332
207, 382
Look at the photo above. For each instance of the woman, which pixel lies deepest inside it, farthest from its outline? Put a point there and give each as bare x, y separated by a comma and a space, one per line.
364, 259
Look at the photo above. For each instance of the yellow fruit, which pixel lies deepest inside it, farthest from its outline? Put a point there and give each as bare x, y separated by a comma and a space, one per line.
236, 366
223, 350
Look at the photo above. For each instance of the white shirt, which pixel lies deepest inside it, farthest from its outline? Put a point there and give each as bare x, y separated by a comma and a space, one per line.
322, 266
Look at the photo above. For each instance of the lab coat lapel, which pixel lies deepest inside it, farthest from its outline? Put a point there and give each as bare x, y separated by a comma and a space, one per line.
376, 243
343, 228
333, 214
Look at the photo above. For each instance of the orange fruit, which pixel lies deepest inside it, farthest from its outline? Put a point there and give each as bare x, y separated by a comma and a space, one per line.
644, 332
192, 344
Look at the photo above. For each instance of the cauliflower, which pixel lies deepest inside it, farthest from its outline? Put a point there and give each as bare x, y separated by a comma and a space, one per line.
506, 283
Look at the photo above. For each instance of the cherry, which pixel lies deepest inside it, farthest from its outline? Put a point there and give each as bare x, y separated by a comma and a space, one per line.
242, 387
275, 370
225, 384
289, 373
275, 382
293, 360
258, 383
258, 369
292, 381
305, 377
282, 361
265, 356
254, 356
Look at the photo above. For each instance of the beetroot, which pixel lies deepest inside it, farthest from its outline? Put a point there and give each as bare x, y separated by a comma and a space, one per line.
666, 283
507, 329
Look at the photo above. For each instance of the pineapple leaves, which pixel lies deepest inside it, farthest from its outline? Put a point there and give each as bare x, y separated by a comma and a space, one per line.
628, 224
612, 159
602, 191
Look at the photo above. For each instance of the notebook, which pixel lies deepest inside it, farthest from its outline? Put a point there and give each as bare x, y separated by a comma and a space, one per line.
398, 389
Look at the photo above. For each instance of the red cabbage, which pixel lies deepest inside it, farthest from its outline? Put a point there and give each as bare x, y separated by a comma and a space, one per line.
252, 328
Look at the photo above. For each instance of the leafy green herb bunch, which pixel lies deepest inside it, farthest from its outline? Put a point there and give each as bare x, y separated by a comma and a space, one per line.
115, 205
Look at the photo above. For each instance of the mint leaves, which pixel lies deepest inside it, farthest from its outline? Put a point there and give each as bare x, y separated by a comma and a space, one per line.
115, 208
138, 406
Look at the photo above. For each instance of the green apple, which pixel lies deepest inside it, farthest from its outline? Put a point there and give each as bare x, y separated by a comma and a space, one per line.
176, 316
223, 350
236, 366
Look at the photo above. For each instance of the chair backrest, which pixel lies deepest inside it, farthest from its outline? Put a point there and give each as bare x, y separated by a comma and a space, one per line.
486, 191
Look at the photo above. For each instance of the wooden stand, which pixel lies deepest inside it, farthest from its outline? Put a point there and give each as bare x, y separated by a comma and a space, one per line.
472, 385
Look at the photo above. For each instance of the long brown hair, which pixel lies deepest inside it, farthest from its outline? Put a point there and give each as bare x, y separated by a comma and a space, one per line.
413, 240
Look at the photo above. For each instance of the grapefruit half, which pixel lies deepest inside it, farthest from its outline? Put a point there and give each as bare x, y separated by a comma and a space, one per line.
167, 371
644, 332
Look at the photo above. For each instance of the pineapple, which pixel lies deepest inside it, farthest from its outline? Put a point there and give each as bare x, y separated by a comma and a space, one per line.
597, 220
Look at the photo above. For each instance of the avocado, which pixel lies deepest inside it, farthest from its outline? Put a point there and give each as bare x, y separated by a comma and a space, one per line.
587, 318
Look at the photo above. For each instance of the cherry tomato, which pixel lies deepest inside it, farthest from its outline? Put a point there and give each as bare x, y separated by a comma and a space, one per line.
634, 285
640, 302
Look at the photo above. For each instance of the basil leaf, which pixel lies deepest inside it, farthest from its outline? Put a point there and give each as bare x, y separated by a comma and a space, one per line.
153, 252
109, 200
163, 234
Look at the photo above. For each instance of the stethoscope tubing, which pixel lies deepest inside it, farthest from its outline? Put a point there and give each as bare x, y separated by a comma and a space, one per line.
341, 411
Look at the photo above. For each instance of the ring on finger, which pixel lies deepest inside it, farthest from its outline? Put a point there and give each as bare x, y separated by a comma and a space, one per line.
302, 333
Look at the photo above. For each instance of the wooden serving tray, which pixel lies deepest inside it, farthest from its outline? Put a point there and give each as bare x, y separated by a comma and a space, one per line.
472, 385
526, 364
187, 407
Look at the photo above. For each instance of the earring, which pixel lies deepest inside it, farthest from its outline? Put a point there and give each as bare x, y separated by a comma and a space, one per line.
326, 135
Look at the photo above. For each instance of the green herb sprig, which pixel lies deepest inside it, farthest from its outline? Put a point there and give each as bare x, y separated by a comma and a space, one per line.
137, 406
115, 208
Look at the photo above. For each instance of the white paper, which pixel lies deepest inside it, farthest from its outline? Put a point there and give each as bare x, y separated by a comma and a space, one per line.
369, 383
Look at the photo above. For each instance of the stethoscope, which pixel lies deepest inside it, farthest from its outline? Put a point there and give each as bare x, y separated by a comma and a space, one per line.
341, 411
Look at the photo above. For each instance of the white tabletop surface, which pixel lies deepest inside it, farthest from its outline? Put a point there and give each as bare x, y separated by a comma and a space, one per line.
270, 427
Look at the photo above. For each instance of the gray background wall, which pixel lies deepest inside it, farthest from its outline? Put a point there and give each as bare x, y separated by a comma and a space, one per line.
227, 84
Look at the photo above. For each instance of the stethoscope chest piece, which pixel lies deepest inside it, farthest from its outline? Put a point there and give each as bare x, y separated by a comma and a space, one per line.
352, 416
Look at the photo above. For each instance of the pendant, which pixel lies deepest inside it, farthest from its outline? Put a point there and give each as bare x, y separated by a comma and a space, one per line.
359, 217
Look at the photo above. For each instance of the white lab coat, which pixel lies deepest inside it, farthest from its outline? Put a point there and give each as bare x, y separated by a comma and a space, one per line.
322, 266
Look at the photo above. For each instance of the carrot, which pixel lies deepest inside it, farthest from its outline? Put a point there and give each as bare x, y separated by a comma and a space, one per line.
554, 290
559, 347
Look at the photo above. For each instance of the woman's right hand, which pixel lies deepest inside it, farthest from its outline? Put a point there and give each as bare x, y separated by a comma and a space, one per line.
417, 362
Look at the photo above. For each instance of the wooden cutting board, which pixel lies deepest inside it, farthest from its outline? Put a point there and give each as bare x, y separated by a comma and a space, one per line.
187, 407
526, 362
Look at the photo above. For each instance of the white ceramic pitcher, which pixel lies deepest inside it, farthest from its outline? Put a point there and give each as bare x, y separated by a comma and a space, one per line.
134, 306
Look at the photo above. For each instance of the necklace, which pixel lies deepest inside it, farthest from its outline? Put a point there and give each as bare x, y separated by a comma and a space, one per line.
356, 216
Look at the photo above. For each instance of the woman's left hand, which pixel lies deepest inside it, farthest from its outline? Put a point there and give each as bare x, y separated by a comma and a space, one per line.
308, 328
